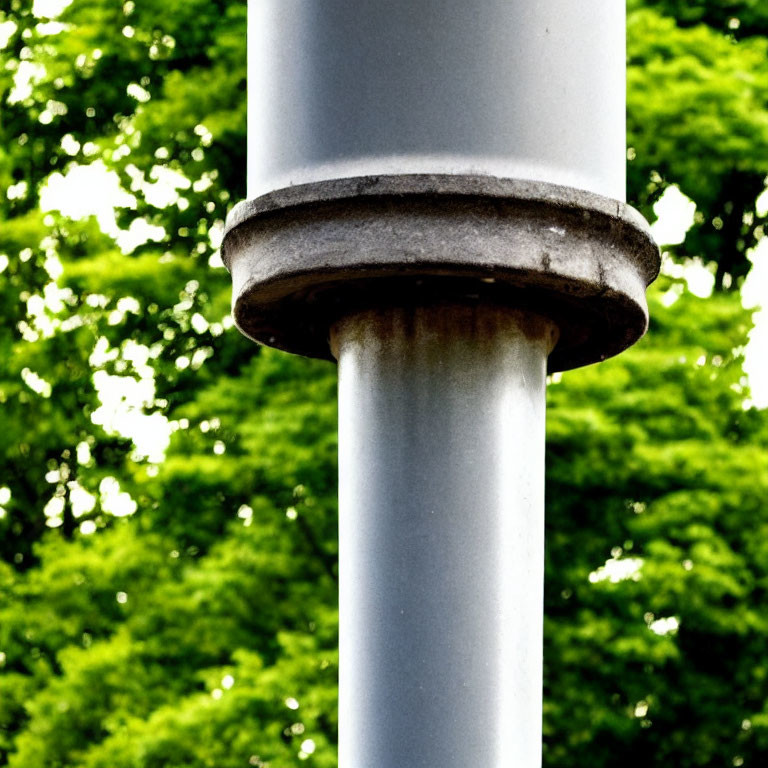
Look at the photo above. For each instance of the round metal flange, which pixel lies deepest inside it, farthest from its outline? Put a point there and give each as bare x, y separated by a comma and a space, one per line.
305, 256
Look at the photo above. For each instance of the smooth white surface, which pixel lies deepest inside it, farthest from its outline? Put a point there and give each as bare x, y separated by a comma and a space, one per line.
441, 491
530, 90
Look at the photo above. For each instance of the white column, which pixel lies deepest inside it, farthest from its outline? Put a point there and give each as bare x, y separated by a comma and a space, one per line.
526, 89
441, 490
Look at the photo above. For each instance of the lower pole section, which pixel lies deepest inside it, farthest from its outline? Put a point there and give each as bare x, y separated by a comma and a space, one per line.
441, 491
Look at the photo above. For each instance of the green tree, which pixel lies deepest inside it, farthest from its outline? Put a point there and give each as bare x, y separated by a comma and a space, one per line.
656, 568
698, 118
193, 621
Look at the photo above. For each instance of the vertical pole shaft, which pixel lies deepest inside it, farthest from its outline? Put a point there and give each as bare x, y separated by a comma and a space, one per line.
441, 490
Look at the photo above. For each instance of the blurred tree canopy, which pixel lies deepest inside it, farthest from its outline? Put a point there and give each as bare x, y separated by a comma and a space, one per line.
177, 605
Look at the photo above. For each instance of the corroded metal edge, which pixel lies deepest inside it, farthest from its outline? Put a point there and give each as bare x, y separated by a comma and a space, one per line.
304, 256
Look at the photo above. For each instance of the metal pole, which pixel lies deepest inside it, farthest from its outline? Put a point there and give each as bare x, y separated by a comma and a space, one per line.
527, 89
441, 528
436, 200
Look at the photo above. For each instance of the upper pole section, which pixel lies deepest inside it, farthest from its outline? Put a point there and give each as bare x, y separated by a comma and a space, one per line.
524, 89
459, 150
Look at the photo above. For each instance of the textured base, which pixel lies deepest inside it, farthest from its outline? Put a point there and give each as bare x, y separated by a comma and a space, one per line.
303, 257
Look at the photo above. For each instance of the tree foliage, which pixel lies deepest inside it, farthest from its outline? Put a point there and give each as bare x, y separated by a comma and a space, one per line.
178, 607
698, 118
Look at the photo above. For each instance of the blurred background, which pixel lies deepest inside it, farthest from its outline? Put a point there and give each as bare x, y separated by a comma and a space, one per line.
168, 555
